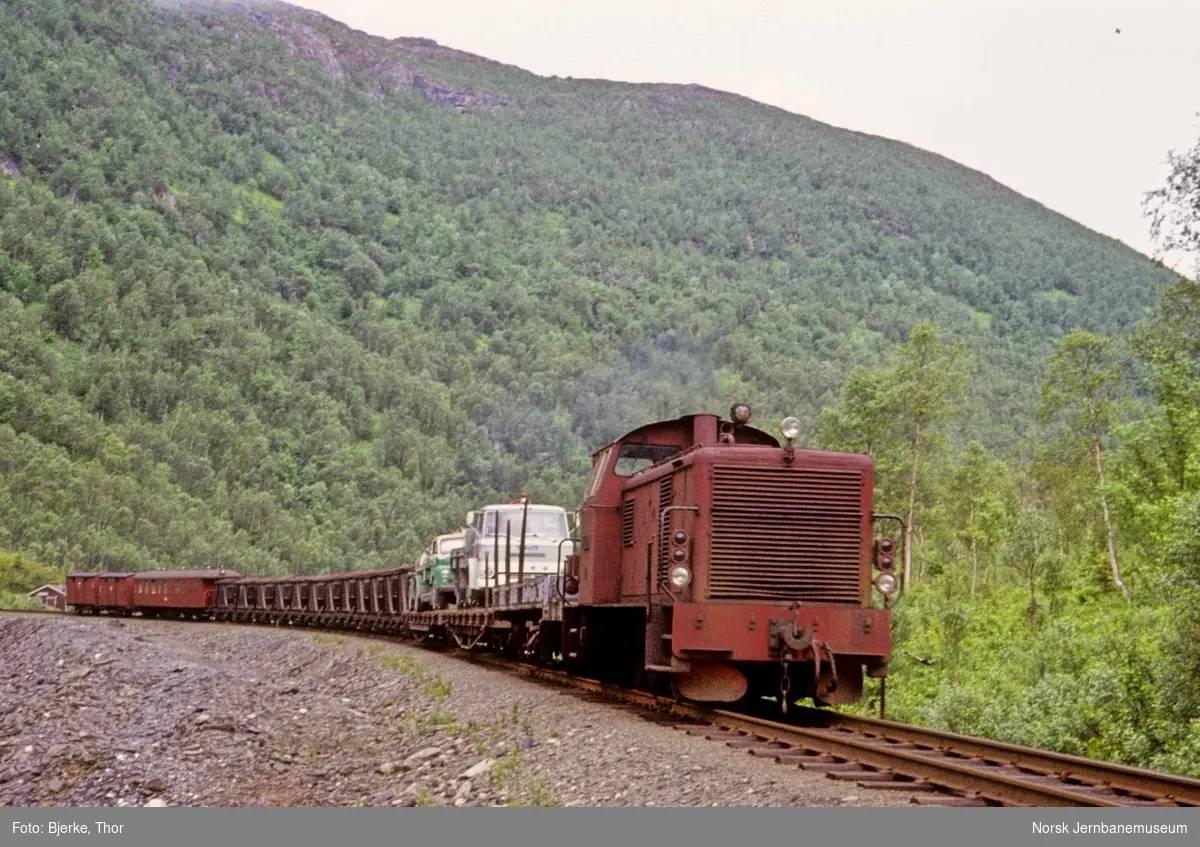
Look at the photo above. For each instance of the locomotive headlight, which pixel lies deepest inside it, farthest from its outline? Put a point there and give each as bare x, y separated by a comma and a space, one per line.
886, 583
680, 576
790, 427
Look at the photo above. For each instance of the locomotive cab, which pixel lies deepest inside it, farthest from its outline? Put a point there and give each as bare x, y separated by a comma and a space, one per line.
743, 567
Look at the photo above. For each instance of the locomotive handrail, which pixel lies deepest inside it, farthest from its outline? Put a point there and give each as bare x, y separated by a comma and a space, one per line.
558, 575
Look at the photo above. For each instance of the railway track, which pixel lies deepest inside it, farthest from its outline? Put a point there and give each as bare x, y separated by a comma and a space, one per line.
939, 768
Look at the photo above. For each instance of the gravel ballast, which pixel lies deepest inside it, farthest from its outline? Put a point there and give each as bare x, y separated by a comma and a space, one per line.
131, 712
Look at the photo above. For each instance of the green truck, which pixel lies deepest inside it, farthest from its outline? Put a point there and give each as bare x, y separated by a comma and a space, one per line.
433, 580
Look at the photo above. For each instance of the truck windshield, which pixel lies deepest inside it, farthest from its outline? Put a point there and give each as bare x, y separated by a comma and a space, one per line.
544, 524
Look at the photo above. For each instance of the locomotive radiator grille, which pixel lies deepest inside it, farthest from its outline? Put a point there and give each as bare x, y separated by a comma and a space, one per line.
786, 534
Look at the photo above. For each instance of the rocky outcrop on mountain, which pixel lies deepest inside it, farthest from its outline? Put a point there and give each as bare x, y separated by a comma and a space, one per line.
381, 67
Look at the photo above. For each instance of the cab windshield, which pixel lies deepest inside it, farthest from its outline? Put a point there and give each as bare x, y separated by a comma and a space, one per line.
638, 457
543, 524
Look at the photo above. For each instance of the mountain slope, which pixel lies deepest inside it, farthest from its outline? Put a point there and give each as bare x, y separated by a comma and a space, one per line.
287, 296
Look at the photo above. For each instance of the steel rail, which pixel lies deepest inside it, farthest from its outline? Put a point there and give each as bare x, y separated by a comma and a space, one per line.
1120, 779
898, 756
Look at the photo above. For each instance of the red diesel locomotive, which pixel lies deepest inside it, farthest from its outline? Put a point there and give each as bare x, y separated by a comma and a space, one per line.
712, 561
717, 560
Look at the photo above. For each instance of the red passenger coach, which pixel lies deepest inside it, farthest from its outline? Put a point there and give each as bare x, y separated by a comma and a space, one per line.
152, 593
178, 592
93, 593
731, 567
114, 592
81, 591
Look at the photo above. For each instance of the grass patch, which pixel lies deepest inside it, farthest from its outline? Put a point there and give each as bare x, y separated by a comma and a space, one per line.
524, 788
404, 664
437, 689
425, 724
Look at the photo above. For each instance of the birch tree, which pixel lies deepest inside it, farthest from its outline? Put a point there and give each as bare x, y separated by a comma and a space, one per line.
983, 498
930, 380
1078, 399
894, 413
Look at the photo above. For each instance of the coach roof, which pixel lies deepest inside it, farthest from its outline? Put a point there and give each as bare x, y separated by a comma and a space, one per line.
209, 574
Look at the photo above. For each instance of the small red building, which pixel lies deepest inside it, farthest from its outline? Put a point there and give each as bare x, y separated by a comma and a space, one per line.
52, 596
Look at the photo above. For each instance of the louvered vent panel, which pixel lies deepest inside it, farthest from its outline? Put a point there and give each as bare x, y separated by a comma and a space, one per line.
786, 534
627, 514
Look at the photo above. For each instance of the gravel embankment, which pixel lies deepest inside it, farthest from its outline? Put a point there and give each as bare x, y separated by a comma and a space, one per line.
101, 712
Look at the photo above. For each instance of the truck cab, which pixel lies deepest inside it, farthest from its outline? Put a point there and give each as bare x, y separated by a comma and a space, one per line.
434, 578
492, 553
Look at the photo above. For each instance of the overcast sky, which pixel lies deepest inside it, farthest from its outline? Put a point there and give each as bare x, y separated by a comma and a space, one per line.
1043, 95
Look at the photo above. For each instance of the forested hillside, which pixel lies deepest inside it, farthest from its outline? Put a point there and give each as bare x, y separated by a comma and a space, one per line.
283, 296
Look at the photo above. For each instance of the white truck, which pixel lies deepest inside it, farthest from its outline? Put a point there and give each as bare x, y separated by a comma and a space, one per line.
486, 559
